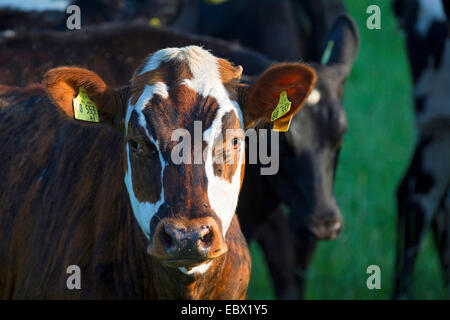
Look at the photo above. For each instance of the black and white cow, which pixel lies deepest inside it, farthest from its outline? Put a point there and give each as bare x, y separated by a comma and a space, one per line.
423, 196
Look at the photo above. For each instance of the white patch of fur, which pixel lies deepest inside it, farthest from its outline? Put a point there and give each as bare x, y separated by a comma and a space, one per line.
144, 211
8, 34
206, 81
314, 97
158, 57
429, 11
198, 269
159, 88
222, 195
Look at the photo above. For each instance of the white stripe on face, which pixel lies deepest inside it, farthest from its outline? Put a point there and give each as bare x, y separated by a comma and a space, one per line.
222, 195
144, 211
206, 81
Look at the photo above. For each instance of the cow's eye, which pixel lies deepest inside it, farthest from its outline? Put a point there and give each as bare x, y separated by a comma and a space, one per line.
236, 142
152, 152
135, 147
143, 150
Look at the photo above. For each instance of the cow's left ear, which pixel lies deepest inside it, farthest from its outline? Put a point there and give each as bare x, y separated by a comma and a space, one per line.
63, 84
259, 100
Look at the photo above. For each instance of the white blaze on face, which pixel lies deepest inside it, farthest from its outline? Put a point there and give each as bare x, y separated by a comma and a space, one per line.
222, 195
144, 211
206, 81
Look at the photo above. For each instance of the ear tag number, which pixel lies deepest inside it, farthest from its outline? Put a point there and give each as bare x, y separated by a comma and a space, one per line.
84, 108
283, 107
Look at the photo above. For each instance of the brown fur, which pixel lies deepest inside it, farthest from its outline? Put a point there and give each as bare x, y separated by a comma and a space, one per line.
113, 50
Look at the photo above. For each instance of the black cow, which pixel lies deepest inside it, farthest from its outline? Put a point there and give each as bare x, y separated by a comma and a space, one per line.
423, 196
309, 154
93, 12
280, 29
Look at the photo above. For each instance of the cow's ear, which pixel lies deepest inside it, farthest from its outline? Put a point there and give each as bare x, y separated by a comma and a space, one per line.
259, 100
63, 84
341, 45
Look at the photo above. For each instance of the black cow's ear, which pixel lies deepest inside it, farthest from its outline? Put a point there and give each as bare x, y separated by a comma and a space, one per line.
342, 43
82, 95
446, 4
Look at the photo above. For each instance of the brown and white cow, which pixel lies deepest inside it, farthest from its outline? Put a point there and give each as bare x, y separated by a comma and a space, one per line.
109, 198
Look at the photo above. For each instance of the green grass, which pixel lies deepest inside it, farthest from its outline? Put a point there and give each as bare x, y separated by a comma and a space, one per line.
375, 154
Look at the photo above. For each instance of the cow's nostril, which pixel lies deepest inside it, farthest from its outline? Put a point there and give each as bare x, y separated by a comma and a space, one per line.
207, 237
167, 239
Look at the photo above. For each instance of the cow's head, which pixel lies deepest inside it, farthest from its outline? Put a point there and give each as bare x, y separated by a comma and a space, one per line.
310, 150
184, 208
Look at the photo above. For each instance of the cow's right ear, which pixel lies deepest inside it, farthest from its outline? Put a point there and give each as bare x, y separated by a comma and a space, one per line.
63, 84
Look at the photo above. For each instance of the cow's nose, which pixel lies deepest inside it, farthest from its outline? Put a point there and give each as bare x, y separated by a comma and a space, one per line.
187, 243
327, 226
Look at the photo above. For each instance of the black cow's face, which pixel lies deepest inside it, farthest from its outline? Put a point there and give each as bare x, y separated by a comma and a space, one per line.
308, 158
309, 151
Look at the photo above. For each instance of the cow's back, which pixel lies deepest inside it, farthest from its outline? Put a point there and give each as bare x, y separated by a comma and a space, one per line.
63, 203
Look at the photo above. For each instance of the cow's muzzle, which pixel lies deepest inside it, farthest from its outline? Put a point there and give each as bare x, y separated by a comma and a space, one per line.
187, 243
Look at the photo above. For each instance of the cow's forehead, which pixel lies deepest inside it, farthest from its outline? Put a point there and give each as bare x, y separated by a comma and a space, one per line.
176, 86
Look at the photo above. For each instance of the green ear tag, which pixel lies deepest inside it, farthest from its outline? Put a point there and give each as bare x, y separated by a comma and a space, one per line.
283, 107
84, 108
327, 53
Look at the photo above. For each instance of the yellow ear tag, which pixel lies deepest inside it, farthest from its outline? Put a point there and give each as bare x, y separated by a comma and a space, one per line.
283, 107
282, 124
84, 108
154, 22
215, 1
